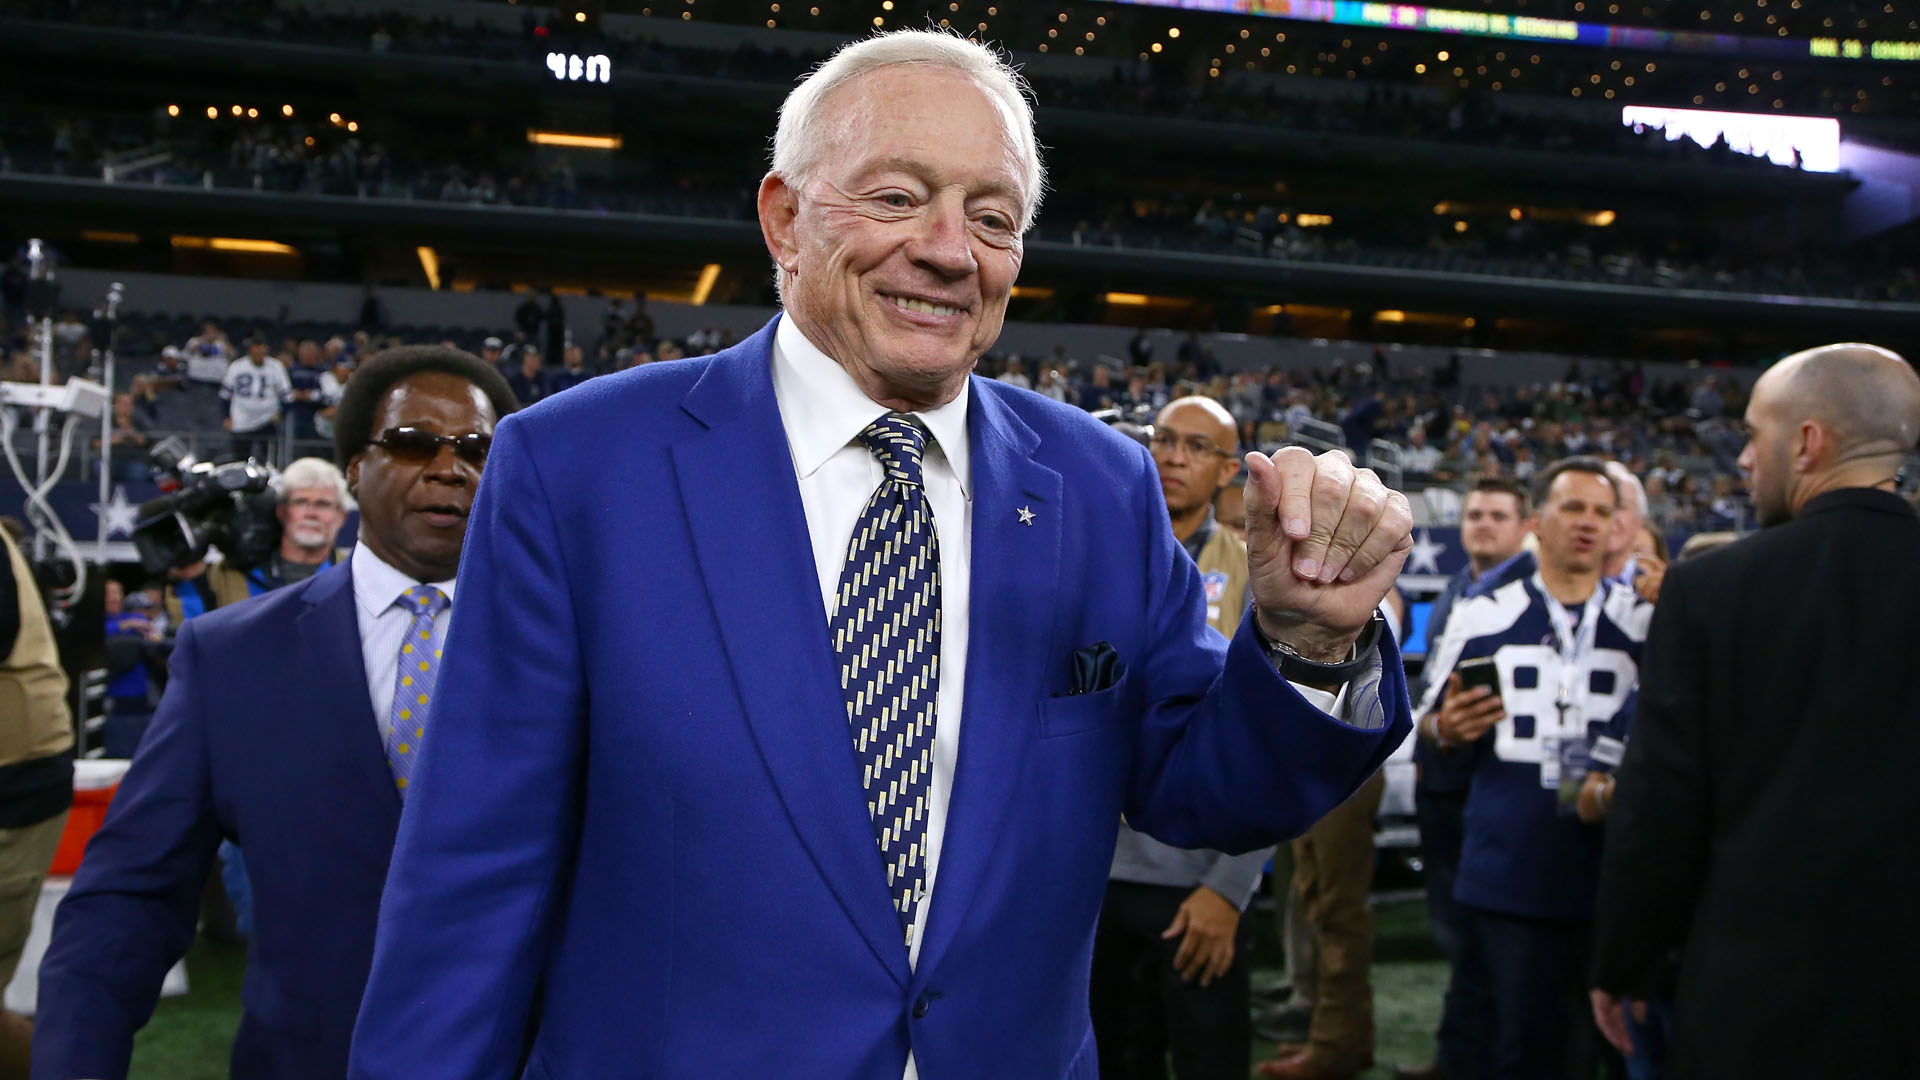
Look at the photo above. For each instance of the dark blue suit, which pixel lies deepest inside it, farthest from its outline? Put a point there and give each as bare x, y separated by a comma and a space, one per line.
264, 737
650, 810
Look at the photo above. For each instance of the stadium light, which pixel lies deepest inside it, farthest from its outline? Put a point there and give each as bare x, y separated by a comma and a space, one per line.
232, 243
578, 142
173, 110
703, 288
430, 264
1127, 299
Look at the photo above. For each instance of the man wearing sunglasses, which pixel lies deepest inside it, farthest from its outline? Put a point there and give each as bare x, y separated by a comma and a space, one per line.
290, 725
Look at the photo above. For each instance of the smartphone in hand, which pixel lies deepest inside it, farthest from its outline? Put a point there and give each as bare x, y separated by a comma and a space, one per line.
1479, 672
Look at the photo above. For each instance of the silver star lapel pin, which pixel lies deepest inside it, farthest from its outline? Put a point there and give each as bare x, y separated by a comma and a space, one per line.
1026, 515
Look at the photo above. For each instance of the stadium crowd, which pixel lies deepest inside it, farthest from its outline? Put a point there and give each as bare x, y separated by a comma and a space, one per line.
317, 157
1682, 437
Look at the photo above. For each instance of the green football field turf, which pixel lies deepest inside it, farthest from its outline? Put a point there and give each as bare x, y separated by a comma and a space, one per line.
189, 1036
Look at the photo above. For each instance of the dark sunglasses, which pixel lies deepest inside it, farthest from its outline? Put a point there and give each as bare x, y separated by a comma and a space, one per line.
418, 446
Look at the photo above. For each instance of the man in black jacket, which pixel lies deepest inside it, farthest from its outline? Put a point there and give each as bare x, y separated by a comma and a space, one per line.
1759, 826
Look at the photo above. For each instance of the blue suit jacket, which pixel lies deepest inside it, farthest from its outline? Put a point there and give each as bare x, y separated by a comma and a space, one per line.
640, 846
264, 737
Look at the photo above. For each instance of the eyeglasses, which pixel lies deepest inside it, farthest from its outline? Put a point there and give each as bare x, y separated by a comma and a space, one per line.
1163, 442
418, 446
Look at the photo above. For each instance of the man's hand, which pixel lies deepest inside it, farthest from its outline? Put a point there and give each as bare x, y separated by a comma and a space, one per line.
1466, 715
1647, 581
1208, 923
1596, 795
1324, 544
1610, 1015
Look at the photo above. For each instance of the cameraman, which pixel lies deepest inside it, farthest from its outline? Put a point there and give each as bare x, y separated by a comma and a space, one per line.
36, 772
311, 504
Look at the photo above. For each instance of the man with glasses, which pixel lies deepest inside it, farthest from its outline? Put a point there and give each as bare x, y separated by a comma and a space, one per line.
291, 722
1169, 954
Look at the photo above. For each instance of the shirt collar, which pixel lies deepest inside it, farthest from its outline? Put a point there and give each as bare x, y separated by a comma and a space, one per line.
376, 584
1197, 542
823, 409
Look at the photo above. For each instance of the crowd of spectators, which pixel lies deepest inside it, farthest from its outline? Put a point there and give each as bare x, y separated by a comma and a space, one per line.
1683, 436
320, 158
1530, 247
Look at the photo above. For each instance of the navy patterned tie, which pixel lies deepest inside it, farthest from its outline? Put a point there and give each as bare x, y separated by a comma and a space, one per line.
886, 633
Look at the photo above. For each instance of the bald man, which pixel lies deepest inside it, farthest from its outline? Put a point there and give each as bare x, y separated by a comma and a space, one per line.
1169, 967
1758, 830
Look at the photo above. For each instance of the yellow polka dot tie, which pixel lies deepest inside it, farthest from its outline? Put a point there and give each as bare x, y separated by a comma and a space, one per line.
413, 684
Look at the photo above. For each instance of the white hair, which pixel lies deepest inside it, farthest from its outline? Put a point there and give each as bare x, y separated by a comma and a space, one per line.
313, 472
1629, 486
800, 140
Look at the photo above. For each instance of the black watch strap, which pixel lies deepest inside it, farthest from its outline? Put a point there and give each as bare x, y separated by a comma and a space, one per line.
1297, 668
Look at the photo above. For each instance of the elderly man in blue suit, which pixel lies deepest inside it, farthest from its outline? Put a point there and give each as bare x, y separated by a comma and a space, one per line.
289, 725
797, 693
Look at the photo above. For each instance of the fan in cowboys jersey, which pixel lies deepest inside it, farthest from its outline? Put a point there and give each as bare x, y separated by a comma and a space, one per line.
1566, 645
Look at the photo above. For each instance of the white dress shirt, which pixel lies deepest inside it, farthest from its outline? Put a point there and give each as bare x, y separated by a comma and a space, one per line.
383, 625
824, 411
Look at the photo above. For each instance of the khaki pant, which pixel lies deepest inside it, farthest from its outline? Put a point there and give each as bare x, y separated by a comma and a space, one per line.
1333, 872
25, 855
1296, 937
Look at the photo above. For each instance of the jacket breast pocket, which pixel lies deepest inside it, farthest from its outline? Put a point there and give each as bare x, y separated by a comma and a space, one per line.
1072, 714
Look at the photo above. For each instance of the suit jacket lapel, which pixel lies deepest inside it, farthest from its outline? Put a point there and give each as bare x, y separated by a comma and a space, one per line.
330, 638
750, 536
1016, 573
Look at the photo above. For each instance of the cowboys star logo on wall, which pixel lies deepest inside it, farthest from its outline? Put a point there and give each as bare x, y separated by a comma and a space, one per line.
1425, 556
117, 516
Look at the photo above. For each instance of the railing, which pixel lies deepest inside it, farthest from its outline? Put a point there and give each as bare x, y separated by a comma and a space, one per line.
117, 166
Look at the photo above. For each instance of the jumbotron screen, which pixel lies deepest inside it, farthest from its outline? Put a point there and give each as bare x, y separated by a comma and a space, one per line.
1531, 28
1776, 138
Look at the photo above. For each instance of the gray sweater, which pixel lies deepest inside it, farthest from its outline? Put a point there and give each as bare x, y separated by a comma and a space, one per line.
1140, 858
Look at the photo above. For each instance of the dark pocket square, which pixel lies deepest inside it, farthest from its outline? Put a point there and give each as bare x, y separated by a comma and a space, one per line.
1095, 668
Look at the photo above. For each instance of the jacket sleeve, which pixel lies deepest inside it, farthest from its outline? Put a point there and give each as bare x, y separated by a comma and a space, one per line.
1235, 758
130, 914
476, 876
1657, 832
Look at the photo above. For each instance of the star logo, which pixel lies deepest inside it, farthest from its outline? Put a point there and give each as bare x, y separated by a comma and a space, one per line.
1026, 515
1425, 556
117, 515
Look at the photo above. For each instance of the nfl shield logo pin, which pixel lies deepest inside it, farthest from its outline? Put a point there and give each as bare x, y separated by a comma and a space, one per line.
1215, 585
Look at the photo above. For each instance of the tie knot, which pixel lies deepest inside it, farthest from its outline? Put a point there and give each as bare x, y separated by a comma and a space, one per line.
898, 442
424, 600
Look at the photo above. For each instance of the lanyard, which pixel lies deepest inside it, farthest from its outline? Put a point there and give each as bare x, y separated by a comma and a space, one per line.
1576, 646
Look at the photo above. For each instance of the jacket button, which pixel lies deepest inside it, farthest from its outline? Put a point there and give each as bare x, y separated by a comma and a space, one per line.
921, 1005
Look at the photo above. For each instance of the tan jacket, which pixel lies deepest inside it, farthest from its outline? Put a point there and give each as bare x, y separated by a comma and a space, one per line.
229, 587
1223, 577
35, 720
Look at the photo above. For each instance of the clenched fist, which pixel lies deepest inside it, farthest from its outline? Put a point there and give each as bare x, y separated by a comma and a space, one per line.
1324, 543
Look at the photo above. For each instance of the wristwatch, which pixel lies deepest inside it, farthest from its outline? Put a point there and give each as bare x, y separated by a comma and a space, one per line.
1297, 668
